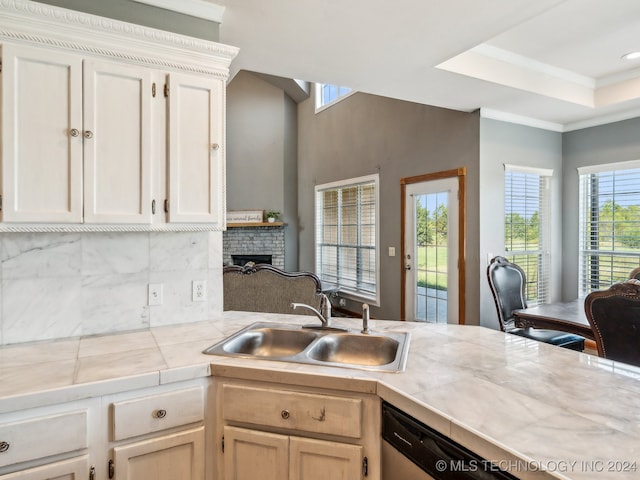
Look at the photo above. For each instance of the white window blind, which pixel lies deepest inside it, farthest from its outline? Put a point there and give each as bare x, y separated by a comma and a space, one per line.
347, 236
526, 226
609, 224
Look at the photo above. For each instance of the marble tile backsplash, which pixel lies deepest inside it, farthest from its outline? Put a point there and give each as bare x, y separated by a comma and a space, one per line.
59, 285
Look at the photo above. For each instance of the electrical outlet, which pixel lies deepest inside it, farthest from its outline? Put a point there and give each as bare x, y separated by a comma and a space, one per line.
199, 291
155, 294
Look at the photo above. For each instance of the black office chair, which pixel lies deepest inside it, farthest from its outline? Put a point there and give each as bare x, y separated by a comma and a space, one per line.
614, 316
507, 281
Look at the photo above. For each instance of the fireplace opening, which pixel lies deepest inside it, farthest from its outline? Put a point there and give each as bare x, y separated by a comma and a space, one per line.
242, 260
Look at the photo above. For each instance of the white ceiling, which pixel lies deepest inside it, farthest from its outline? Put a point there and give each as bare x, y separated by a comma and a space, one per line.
549, 63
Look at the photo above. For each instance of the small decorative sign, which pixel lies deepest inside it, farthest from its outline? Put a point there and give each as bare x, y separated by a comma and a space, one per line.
245, 216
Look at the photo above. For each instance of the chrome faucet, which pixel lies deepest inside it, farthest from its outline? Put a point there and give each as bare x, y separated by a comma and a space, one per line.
365, 318
325, 316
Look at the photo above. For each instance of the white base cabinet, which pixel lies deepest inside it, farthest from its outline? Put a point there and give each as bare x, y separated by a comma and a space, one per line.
155, 433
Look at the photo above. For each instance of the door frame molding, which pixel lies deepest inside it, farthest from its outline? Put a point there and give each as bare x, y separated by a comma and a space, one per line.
461, 174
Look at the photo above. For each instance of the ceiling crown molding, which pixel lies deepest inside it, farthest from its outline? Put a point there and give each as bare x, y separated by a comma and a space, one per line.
194, 8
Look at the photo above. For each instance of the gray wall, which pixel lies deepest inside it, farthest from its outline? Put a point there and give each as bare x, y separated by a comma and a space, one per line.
365, 134
506, 143
615, 142
262, 154
146, 15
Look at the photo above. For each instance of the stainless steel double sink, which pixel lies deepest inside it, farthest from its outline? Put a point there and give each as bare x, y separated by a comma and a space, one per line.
379, 351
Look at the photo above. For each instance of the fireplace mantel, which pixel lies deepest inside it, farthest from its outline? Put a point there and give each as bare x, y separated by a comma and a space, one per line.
255, 224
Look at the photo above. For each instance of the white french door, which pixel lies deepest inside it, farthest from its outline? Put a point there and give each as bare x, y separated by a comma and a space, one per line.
431, 251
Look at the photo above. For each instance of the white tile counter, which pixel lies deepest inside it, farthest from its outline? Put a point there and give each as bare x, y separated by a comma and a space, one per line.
541, 411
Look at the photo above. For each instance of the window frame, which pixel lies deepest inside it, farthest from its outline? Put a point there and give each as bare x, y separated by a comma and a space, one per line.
319, 97
586, 177
538, 287
358, 294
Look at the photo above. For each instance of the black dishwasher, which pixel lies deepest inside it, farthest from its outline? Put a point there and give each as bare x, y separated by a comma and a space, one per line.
436, 455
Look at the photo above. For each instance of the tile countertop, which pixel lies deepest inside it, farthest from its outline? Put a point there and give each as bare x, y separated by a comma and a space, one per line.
538, 410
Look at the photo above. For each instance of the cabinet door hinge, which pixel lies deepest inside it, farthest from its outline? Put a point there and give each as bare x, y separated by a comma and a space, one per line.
222, 443
365, 466
92, 473
0, 203
111, 469
166, 205
153, 207
166, 89
153, 89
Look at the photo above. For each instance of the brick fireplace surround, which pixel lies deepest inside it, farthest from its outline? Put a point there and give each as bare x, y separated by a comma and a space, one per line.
258, 240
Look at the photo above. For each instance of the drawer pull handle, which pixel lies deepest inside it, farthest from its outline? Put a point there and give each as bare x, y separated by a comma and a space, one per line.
161, 413
285, 414
4, 446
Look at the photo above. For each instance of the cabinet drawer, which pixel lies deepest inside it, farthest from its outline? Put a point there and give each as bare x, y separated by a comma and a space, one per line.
293, 410
43, 436
157, 412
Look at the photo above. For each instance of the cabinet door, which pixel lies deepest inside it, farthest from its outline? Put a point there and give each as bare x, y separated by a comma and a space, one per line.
170, 457
319, 460
196, 150
252, 455
73, 469
41, 135
117, 142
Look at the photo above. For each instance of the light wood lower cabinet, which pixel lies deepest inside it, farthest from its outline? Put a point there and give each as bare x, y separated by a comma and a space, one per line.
282, 432
169, 457
251, 454
73, 469
159, 435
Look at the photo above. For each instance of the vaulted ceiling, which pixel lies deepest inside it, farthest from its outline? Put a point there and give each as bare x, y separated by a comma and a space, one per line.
550, 63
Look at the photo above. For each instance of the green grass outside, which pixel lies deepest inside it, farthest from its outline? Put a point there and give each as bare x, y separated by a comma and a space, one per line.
436, 275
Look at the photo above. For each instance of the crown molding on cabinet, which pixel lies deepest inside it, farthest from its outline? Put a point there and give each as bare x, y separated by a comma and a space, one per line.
35, 23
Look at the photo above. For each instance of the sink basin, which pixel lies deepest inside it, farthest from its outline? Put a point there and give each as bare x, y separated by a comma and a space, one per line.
270, 342
383, 351
355, 349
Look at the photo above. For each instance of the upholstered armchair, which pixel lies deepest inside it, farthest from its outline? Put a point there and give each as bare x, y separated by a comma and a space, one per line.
265, 288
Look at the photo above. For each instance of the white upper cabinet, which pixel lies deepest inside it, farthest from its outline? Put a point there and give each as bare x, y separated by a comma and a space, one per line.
108, 126
196, 168
117, 140
41, 135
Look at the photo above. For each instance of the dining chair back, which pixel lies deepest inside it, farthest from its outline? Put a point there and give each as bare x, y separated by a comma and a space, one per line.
614, 316
507, 282
635, 273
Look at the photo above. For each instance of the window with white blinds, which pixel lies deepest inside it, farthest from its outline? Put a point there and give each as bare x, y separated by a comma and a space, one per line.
526, 227
347, 237
609, 224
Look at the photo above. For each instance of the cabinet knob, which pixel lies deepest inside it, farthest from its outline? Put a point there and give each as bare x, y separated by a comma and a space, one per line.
215, 146
4, 446
285, 414
88, 134
160, 413
74, 132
